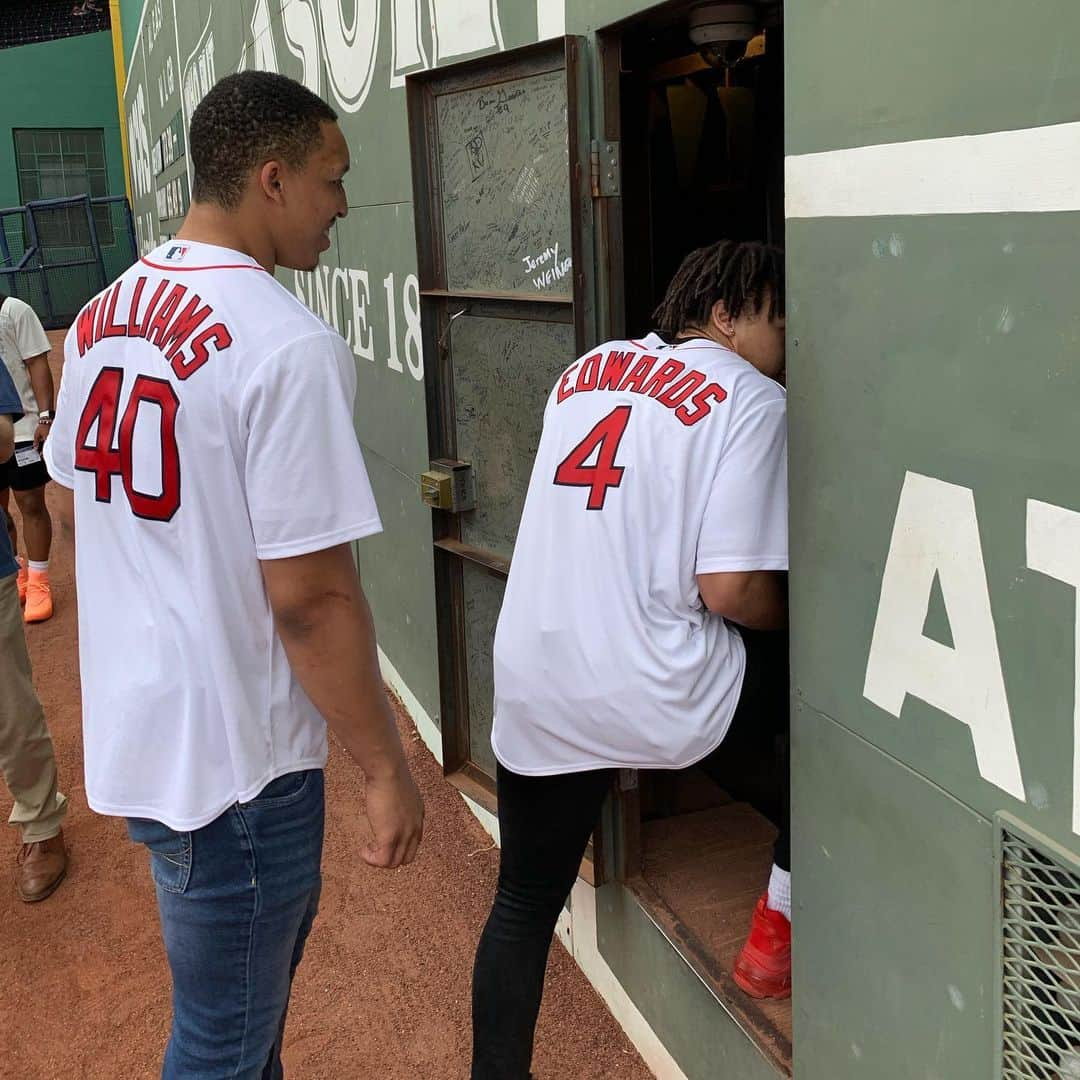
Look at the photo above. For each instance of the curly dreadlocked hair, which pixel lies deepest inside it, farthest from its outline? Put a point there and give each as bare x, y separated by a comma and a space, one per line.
739, 274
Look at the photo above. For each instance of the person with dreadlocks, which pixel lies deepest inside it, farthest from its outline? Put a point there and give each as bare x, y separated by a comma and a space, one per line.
644, 620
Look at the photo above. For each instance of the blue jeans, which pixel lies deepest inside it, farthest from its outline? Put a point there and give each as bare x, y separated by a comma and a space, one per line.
237, 899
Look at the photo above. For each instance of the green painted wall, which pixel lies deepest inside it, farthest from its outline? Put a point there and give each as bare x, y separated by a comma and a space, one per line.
68, 83
937, 345
894, 924
883, 71
942, 345
130, 15
965, 384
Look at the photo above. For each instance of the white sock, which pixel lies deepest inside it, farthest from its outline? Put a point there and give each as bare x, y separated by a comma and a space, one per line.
39, 567
780, 891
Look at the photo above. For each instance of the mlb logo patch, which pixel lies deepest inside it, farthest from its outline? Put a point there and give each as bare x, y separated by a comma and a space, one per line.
176, 253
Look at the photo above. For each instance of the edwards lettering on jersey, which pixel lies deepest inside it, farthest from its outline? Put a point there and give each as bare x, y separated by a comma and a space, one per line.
684, 390
161, 321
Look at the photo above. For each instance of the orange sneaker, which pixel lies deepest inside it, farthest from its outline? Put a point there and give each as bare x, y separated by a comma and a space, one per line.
39, 605
763, 969
21, 579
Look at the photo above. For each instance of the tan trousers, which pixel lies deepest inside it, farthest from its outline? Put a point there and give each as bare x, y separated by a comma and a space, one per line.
26, 750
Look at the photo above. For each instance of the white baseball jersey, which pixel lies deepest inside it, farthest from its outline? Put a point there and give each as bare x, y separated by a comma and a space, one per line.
22, 338
205, 422
657, 463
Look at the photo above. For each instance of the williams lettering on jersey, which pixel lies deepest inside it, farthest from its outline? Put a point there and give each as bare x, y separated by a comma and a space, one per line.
185, 334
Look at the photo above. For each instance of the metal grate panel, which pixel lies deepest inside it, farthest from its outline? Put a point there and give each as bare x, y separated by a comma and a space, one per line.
44, 262
1040, 962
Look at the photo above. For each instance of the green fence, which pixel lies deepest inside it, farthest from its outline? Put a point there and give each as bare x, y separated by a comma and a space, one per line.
57, 253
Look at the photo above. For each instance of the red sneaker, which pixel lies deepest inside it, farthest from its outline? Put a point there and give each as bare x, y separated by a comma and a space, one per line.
763, 969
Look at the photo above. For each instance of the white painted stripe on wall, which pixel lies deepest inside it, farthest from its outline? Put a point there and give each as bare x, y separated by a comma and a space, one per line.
550, 19
578, 933
428, 729
1028, 171
429, 732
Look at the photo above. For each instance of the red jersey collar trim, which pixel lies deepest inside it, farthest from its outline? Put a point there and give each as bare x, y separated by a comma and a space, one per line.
185, 269
218, 257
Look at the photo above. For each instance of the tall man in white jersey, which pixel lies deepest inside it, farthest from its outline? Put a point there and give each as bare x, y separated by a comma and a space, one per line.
205, 423
651, 559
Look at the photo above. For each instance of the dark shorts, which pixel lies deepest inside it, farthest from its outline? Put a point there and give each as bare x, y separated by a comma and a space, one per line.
23, 477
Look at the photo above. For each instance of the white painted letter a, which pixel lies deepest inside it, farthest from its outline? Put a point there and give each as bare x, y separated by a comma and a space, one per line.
937, 533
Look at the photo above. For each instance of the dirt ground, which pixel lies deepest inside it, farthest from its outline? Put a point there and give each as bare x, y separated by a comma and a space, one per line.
384, 988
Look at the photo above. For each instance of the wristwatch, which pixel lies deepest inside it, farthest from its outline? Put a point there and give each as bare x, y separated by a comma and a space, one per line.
45, 416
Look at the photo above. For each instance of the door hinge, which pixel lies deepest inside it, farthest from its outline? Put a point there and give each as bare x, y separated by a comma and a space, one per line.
605, 169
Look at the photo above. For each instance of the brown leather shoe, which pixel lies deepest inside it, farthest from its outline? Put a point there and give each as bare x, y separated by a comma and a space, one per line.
40, 868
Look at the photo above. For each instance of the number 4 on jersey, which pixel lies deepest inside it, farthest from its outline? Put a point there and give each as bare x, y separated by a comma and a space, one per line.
104, 462
604, 441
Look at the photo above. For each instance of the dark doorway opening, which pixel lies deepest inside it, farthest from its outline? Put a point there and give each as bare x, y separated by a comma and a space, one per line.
700, 133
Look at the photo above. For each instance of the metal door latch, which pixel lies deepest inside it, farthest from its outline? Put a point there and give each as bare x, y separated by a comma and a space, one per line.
449, 485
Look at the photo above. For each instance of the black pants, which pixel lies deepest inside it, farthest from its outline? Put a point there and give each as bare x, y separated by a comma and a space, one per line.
545, 824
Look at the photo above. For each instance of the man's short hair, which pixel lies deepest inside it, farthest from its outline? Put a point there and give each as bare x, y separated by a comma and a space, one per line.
246, 119
740, 274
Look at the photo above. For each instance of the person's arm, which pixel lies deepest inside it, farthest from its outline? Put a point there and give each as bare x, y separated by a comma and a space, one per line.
10, 413
7, 448
756, 599
33, 347
41, 383
325, 624
742, 548
308, 496
59, 450
7, 438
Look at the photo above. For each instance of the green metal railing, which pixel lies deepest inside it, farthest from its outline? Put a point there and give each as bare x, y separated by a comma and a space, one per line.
57, 253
